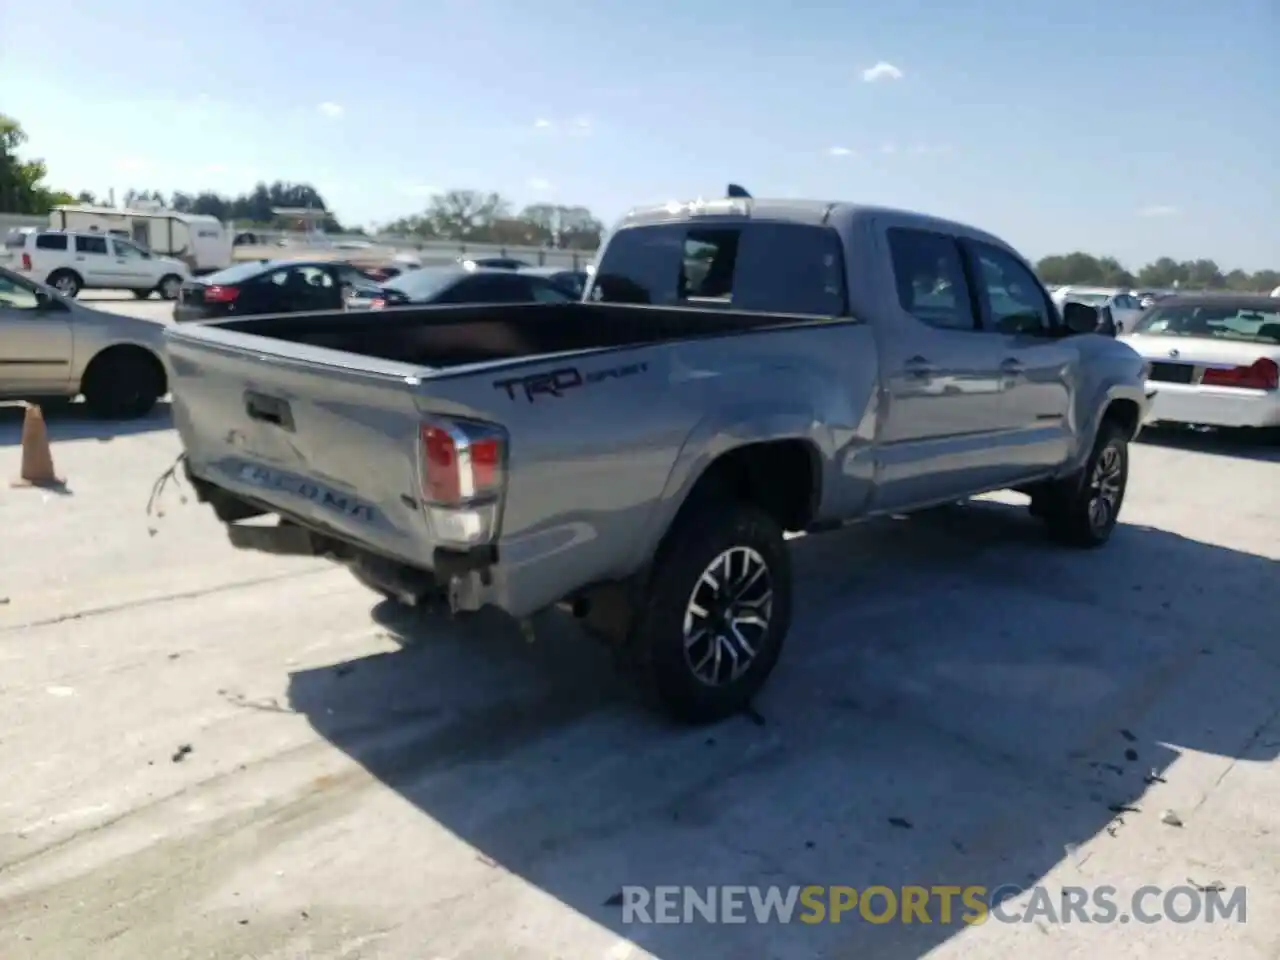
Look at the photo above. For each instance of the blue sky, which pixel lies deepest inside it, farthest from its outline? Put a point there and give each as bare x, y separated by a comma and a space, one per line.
1130, 127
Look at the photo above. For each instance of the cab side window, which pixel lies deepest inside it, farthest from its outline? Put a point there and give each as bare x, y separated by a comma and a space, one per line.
86, 244
790, 268
929, 274
1009, 296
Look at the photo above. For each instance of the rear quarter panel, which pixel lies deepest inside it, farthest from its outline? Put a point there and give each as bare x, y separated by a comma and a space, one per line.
597, 473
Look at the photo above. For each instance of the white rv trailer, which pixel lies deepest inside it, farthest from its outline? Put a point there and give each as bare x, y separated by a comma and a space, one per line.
202, 242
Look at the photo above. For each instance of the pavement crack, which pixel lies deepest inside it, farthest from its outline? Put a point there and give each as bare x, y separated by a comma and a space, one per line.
157, 600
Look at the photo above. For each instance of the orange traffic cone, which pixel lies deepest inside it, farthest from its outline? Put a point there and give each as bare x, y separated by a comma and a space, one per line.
37, 458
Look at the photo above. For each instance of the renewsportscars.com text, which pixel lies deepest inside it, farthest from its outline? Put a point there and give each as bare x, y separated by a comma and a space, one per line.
943, 904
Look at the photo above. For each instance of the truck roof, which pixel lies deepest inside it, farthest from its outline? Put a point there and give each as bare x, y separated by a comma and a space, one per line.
128, 212
805, 212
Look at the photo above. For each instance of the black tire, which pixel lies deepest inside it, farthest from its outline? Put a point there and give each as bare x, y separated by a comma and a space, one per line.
66, 282
169, 287
142, 294
1079, 511
656, 651
123, 384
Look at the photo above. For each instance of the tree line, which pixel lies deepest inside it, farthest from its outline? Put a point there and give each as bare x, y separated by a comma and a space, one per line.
1163, 274
476, 216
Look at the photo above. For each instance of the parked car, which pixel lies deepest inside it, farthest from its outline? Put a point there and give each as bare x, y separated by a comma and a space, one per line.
71, 261
638, 455
1215, 359
271, 286
573, 282
1125, 308
445, 285
54, 347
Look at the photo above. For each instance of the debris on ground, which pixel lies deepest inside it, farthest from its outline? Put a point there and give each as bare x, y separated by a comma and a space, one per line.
1171, 818
181, 753
900, 822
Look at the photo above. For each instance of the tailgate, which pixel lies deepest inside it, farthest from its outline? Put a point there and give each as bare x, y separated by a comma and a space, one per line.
326, 442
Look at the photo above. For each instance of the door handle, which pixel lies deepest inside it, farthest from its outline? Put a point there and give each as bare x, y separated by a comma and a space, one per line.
1012, 366
920, 367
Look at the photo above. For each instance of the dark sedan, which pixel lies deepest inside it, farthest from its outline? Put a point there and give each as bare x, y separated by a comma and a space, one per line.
572, 281
441, 285
270, 286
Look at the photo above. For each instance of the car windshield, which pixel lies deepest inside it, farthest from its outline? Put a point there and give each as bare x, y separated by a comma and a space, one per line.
1249, 324
422, 284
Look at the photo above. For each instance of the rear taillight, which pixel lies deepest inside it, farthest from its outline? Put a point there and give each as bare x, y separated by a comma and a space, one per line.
1262, 374
463, 474
26, 262
220, 294
377, 304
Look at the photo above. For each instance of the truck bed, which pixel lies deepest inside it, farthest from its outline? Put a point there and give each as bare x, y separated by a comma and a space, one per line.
449, 336
317, 416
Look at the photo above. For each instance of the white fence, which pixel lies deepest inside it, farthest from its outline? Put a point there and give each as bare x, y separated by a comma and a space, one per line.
430, 251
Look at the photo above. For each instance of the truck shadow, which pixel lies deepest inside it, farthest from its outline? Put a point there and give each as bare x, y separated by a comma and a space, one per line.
1241, 444
71, 421
959, 702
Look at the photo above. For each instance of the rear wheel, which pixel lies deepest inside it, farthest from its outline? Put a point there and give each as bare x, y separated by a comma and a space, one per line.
123, 383
718, 608
170, 286
66, 282
1083, 510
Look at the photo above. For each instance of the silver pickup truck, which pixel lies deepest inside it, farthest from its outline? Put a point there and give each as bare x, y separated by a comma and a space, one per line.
737, 369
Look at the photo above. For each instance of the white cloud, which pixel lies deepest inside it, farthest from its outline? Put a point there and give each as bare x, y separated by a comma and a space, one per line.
539, 184
881, 71
331, 110
839, 151
577, 127
1158, 210
888, 148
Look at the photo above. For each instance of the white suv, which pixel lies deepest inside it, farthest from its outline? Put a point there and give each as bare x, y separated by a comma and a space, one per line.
71, 261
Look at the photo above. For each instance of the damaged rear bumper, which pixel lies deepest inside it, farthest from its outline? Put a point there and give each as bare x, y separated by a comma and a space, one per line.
457, 580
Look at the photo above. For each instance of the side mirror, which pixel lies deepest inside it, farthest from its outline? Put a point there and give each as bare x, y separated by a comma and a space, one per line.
47, 303
1079, 317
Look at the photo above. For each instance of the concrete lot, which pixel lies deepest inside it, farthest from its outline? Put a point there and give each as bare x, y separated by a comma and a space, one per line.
960, 702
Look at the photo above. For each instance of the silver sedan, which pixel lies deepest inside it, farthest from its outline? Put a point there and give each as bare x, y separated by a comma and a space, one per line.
51, 346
